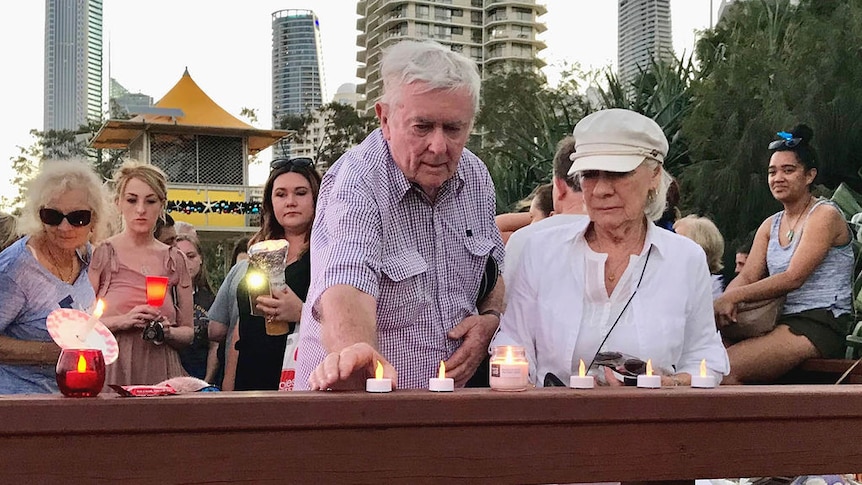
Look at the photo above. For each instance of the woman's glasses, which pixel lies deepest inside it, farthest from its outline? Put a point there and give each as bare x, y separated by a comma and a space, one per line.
623, 364
787, 141
300, 162
53, 217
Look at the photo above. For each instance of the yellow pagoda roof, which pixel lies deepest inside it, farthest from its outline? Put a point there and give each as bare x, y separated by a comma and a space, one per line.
186, 108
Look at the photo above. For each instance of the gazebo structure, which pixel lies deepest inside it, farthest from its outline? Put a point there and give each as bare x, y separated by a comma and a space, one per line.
204, 150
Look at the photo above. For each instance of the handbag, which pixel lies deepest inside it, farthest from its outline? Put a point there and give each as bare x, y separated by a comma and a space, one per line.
753, 319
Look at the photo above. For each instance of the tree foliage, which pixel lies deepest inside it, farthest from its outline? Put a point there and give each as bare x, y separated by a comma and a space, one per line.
765, 67
332, 129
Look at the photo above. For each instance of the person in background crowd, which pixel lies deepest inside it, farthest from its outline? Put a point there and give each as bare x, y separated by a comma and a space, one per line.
165, 230
568, 206
706, 234
65, 212
199, 359
184, 228
8, 230
542, 203
403, 237
671, 212
118, 274
804, 253
742, 256
290, 196
225, 309
614, 283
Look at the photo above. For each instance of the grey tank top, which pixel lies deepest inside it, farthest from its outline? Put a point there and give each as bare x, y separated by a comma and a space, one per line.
829, 286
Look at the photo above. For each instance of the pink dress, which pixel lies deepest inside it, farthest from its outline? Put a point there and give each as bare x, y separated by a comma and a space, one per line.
123, 288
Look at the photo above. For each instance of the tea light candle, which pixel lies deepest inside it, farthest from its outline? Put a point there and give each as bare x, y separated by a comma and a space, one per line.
582, 380
378, 383
704, 380
441, 383
509, 368
648, 380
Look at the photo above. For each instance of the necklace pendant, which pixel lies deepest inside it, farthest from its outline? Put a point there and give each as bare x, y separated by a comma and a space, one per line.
611, 277
790, 235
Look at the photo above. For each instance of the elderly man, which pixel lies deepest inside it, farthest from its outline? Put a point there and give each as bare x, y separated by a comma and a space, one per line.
402, 238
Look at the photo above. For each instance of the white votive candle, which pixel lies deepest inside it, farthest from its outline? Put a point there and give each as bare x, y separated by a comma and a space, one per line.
441, 383
378, 383
509, 368
648, 380
582, 381
704, 380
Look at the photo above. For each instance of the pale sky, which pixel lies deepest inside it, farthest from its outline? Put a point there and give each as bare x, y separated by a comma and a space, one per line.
226, 46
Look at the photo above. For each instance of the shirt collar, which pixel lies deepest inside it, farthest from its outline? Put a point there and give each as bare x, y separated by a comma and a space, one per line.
655, 237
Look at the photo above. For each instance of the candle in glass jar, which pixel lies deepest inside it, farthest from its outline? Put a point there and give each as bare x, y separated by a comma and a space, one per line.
648, 380
704, 380
582, 380
509, 368
378, 383
80, 372
441, 383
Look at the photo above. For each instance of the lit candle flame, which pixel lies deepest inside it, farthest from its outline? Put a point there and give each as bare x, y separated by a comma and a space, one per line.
649, 367
582, 369
100, 307
255, 280
82, 364
703, 368
441, 374
378, 371
510, 358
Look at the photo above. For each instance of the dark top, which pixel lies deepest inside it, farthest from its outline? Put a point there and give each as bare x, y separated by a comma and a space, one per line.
258, 367
194, 357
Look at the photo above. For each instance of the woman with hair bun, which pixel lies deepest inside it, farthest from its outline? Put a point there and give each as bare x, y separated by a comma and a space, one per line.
802, 253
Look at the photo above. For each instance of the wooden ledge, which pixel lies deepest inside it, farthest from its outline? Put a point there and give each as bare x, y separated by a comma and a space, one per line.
470, 436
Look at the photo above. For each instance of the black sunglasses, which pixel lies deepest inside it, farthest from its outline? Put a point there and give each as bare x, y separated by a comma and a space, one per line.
626, 366
53, 217
787, 141
300, 162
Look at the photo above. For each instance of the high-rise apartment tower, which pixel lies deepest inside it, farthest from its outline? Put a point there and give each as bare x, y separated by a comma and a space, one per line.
491, 32
73, 63
297, 76
644, 34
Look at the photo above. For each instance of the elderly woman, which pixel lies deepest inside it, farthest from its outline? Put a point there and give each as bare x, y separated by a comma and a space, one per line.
706, 234
46, 269
614, 284
802, 253
118, 273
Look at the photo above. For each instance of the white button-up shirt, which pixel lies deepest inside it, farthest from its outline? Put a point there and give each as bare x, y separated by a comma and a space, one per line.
560, 312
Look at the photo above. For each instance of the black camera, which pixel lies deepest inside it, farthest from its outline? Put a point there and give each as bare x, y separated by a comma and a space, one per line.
154, 332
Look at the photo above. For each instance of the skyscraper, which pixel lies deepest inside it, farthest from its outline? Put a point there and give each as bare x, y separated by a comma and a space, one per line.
644, 34
491, 32
73, 63
297, 76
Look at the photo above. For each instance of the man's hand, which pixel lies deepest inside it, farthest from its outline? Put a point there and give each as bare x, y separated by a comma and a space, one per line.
476, 332
349, 368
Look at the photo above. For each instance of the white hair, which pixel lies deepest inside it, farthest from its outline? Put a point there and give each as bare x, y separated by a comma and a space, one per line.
427, 62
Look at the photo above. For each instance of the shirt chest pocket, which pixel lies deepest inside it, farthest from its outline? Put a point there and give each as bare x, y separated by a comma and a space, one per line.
403, 292
469, 266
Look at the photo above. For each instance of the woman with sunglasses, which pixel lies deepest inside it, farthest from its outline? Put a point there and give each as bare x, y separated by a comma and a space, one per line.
118, 274
254, 360
802, 253
65, 211
615, 290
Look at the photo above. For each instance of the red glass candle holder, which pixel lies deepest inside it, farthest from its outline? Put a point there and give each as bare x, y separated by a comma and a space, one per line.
81, 372
157, 287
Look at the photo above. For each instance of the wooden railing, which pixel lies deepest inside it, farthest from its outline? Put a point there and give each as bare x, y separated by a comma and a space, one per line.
470, 436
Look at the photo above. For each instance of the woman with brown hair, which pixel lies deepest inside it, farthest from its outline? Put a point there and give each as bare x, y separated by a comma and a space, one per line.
118, 274
289, 199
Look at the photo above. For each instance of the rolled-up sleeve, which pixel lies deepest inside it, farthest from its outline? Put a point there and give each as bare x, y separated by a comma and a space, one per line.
702, 340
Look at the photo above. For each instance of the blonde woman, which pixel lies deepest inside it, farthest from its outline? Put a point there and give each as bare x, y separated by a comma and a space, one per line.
706, 234
46, 269
118, 274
